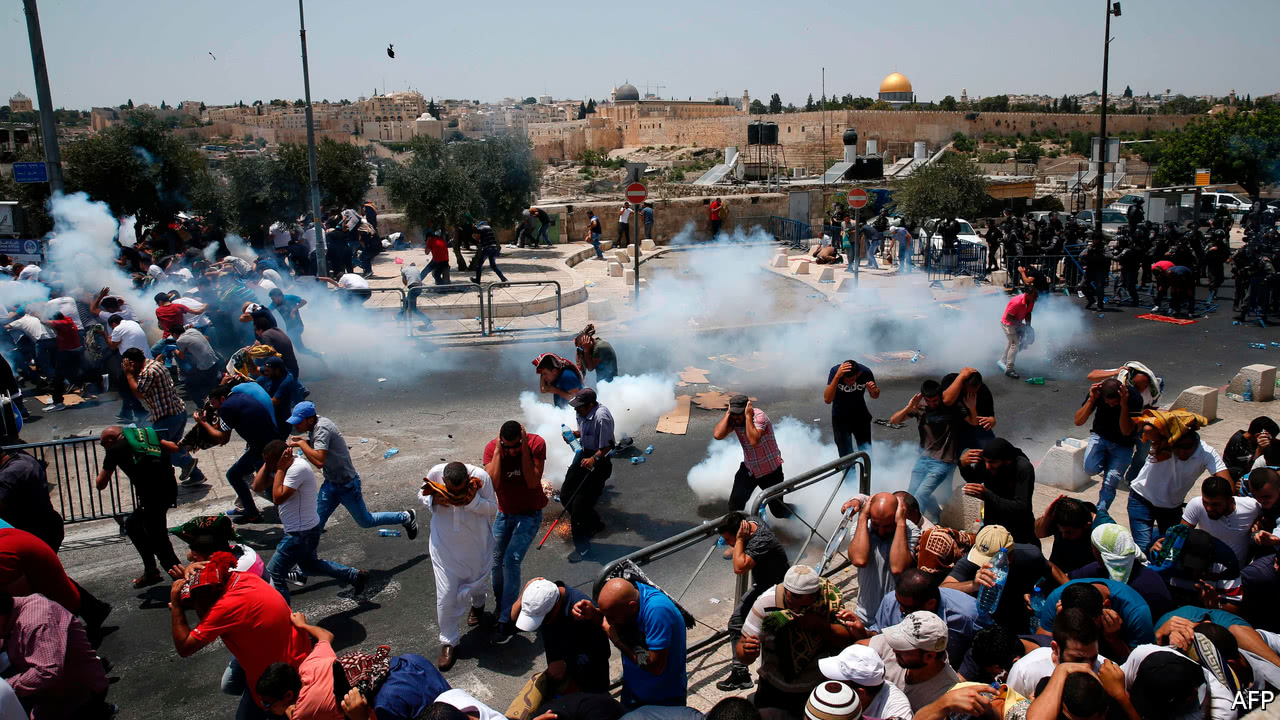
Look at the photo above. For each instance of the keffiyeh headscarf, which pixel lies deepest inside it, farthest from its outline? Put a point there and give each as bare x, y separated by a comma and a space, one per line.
1118, 551
367, 671
798, 648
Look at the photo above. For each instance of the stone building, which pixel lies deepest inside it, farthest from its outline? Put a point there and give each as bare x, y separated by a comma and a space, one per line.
20, 103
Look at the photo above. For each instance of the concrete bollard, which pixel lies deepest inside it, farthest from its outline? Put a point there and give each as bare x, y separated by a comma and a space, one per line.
622, 256
997, 277
779, 261
628, 277
647, 245
846, 284
964, 281
644, 287
1063, 466
600, 310
615, 269
1200, 399
1264, 382
605, 245
962, 512
827, 275
802, 268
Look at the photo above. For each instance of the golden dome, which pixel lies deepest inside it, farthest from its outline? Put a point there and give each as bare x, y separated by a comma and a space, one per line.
895, 82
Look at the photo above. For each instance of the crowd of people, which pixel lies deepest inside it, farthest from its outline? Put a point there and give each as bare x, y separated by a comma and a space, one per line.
1167, 617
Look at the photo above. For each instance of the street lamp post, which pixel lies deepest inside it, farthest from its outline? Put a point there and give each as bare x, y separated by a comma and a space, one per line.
322, 269
48, 129
1112, 9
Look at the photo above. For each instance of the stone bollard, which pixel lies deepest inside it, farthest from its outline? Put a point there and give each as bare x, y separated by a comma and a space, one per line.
962, 512
644, 287
628, 277
1200, 399
647, 245
779, 261
846, 284
1264, 382
600, 310
1063, 466
827, 275
622, 256
802, 268
964, 281
615, 269
605, 245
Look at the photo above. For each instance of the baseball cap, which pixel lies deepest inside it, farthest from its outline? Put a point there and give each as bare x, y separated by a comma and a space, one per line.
538, 600
921, 630
585, 396
1117, 549
833, 700
275, 361
938, 551
801, 580
857, 664
999, 449
738, 404
991, 539
1160, 686
302, 411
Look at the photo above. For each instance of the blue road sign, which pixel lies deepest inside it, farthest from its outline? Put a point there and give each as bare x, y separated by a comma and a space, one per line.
30, 172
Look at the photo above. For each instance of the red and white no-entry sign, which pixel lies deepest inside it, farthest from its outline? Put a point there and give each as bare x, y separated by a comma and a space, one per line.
857, 198
636, 193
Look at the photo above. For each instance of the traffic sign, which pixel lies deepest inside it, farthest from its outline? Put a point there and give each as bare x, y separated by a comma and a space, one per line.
1202, 177
30, 172
858, 198
636, 193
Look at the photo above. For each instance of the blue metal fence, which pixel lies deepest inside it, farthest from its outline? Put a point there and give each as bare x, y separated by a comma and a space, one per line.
793, 232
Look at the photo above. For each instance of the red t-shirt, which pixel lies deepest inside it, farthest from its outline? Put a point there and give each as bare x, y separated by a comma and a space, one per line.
24, 554
170, 318
439, 248
252, 619
515, 497
68, 335
715, 211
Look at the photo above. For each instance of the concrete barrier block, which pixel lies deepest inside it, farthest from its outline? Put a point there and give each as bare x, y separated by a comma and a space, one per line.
647, 245
628, 277
1264, 382
998, 277
1063, 467
622, 256
779, 261
846, 284
964, 281
1202, 400
600, 310
644, 287
605, 245
802, 268
615, 269
827, 275
961, 511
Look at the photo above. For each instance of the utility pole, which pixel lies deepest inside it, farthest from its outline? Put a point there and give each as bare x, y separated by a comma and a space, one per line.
1102, 144
322, 265
48, 129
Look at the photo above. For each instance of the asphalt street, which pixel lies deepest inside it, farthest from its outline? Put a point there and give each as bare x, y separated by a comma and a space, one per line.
449, 403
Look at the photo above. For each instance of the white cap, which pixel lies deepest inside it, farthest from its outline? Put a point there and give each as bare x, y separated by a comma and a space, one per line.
921, 630
536, 603
857, 664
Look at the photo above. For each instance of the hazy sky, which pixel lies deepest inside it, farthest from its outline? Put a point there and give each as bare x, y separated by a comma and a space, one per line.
105, 52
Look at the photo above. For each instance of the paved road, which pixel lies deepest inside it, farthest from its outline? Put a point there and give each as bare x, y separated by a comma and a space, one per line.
450, 402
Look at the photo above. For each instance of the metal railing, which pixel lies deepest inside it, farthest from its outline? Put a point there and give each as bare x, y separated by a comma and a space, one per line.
364, 295
534, 319
859, 462
793, 232
960, 260
71, 468
452, 309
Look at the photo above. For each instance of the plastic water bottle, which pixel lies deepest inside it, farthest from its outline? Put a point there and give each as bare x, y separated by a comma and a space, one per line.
570, 438
637, 460
1248, 390
384, 532
648, 450
989, 597
1037, 602
390, 453
1035, 381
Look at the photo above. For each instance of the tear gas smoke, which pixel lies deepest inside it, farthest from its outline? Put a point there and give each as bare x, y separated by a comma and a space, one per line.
636, 402
81, 251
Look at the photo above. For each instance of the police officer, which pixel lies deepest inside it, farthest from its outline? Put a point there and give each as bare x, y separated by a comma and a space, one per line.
1135, 215
1215, 257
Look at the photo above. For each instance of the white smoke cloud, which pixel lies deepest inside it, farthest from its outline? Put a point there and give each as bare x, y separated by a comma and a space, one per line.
81, 251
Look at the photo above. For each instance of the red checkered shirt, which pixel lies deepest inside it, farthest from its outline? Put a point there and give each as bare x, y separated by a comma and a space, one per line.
765, 457
157, 390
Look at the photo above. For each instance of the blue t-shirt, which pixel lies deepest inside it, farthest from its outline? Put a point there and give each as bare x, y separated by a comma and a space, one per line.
244, 412
957, 609
1196, 614
569, 381
289, 311
414, 683
1134, 612
288, 390
662, 626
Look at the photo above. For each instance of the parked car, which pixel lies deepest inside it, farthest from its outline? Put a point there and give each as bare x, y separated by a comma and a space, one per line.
1112, 220
1124, 203
967, 233
1211, 201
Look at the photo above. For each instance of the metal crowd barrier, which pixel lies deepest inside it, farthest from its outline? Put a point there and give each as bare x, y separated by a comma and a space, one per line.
962, 259
455, 308
522, 304
363, 295
72, 467
793, 232
857, 462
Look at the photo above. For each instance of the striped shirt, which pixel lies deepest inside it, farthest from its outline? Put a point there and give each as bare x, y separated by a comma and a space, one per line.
157, 390
765, 457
